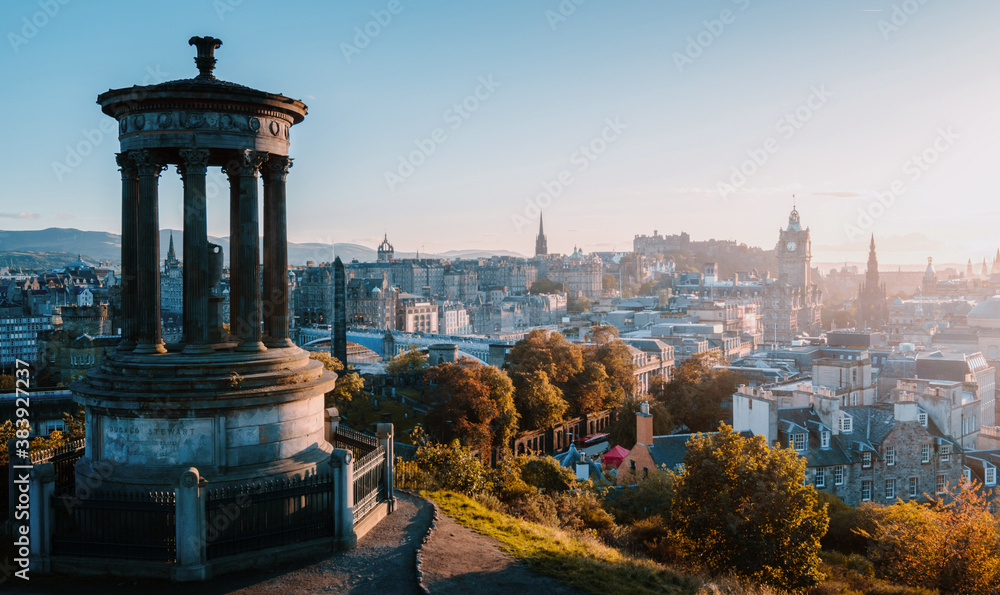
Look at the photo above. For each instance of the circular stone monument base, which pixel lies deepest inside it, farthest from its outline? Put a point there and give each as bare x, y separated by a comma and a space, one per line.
235, 416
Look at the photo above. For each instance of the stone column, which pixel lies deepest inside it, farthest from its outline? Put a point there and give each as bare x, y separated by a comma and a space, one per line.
193, 170
190, 525
43, 487
342, 466
130, 248
232, 170
248, 265
148, 254
275, 304
384, 432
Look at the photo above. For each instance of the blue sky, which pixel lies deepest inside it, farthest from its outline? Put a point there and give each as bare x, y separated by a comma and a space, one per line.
835, 102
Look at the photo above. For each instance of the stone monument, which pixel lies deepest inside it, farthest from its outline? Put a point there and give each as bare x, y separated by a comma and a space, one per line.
237, 406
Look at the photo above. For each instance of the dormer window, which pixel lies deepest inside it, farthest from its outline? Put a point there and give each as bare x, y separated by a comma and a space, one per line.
866, 459
990, 477
799, 441
922, 418
824, 439
945, 453
846, 423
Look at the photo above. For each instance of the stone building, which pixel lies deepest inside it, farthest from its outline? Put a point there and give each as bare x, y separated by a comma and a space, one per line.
873, 306
792, 302
859, 454
172, 282
372, 303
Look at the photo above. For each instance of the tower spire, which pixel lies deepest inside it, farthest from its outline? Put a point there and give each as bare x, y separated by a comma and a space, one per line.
541, 243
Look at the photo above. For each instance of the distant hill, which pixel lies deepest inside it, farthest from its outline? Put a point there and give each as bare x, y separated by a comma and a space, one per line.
48, 246
32, 261
97, 245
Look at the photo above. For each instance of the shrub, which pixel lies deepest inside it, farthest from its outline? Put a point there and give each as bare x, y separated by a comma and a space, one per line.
652, 496
451, 467
546, 474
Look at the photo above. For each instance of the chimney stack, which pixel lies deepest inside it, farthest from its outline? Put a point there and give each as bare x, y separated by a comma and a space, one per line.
644, 425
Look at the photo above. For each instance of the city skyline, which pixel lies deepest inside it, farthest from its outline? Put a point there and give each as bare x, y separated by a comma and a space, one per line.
453, 150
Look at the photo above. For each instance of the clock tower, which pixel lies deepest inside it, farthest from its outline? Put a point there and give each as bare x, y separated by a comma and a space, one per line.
794, 253
792, 302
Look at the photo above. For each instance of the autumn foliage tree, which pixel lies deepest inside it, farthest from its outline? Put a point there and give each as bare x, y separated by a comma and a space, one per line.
585, 378
472, 403
696, 394
349, 383
952, 545
741, 506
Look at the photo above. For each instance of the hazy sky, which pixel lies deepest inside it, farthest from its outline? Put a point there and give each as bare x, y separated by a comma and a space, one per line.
616, 117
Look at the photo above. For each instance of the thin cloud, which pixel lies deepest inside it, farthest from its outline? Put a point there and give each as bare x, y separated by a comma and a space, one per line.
21, 215
842, 194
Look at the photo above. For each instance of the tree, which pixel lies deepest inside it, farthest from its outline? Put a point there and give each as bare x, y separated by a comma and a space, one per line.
349, 383
407, 363
614, 357
7, 382
696, 394
548, 352
472, 404
578, 304
602, 334
539, 403
544, 285
741, 507
609, 282
952, 545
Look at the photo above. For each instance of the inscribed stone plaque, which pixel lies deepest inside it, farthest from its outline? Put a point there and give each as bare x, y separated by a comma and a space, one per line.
146, 441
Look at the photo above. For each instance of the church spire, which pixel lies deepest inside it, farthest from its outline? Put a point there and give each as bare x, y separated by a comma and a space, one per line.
541, 243
171, 255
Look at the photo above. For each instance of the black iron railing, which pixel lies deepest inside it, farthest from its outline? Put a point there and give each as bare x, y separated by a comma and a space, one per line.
130, 525
358, 443
268, 514
370, 482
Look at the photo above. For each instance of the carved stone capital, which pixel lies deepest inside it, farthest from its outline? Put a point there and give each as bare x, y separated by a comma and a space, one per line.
126, 166
277, 167
250, 162
193, 161
147, 162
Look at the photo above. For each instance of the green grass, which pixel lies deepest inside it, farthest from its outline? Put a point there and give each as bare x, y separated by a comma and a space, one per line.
579, 561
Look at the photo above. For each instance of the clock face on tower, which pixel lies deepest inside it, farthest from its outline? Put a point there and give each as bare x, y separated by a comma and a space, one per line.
791, 246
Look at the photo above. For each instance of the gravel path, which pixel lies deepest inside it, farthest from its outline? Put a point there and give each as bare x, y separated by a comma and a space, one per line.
458, 561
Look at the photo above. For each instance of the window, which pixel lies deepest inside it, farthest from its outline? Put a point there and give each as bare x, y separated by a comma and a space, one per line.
991, 475
838, 475
942, 481
645, 472
922, 418
799, 441
914, 486
945, 453
824, 439
925, 453
866, 459
631, 465
890, 455
967, 474
854, 399
866, 490
890, 489
820, 478
846, 423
